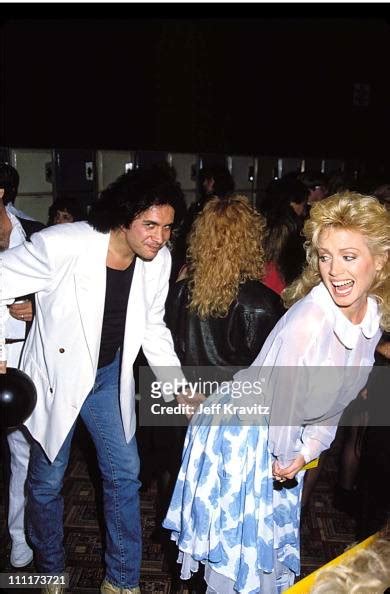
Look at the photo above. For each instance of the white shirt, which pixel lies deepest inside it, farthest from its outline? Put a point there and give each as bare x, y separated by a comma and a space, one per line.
18, 213
313, 363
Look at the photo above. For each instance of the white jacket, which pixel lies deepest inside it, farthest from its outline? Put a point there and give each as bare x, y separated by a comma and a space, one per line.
65, 266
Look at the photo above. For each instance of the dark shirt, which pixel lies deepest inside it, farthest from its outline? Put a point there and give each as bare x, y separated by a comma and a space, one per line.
30, 227
117, 295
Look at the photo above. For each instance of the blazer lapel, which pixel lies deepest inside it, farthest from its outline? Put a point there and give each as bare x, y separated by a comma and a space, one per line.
135, 316
90, 286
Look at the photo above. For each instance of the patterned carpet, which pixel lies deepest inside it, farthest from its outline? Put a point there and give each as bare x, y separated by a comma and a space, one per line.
325, 531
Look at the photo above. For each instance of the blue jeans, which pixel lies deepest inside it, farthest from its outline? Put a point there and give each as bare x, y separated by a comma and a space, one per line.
119, 467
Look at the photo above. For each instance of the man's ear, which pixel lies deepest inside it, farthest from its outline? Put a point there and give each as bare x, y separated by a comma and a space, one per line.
1, 192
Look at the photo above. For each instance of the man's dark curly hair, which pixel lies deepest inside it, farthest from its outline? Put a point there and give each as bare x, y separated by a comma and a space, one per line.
133, 193
9, 182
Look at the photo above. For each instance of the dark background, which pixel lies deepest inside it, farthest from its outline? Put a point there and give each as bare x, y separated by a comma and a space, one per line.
237, 79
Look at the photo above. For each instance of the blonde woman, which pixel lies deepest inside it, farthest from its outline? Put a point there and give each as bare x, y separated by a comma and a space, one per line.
224, 511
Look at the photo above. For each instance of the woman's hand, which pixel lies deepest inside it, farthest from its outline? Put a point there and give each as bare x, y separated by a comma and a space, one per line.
190, 402
281, 474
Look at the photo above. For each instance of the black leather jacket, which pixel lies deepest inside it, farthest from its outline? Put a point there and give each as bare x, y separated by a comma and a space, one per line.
229, 342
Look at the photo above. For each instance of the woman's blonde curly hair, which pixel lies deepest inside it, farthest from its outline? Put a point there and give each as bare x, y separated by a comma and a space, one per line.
356, 212
225, 249
367, 571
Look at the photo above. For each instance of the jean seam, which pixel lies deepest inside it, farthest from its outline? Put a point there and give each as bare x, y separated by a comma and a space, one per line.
116, 499
31, 533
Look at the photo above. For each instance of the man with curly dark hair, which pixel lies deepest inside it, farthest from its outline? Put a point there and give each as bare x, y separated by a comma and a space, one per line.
100, 289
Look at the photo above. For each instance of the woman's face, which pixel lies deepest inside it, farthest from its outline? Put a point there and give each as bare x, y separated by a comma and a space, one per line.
348, 269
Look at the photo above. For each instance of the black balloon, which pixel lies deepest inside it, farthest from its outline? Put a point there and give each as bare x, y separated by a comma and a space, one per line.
18, 397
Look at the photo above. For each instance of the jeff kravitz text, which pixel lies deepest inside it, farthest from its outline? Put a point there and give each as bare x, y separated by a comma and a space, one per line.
214, 409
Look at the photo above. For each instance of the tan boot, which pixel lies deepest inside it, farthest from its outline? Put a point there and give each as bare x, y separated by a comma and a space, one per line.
51, 589
107, 588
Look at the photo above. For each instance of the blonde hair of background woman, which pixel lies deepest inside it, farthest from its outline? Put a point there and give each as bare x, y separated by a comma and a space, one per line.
367, 572
225, 249
355, 212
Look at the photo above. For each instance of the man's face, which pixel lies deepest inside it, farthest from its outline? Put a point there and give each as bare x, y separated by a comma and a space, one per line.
208, 185
316, 194
150, 231
62, 216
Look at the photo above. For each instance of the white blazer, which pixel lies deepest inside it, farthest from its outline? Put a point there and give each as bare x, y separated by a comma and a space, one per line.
65, 266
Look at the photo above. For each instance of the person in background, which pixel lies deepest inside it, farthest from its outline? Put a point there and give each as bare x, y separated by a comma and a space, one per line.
367, 571
100, 288
382, 192
225, 511
66, 210
365, 445
11, 176
284, 208
213, 180
316, 184
220, 313
14, 230
341, 182
371, 502
373, 473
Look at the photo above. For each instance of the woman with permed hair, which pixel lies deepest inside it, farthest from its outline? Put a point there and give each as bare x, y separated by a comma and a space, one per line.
221, 314
236, 507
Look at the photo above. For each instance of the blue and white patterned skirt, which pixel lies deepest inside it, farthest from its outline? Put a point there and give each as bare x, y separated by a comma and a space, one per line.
224, 511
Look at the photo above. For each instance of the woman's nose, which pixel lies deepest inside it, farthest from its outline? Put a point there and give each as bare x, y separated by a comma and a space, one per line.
336, 266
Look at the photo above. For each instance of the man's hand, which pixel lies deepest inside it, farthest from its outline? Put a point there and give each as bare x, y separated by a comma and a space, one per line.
22, 311
3, 367
190, 402
281, 474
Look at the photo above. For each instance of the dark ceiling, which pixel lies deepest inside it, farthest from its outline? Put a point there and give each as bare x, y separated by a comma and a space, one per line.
209, 79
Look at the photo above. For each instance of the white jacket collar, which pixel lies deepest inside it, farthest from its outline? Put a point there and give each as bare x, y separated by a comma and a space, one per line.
347, 332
